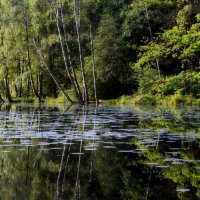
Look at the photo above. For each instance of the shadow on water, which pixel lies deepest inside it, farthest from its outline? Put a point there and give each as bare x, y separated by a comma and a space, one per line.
49, 152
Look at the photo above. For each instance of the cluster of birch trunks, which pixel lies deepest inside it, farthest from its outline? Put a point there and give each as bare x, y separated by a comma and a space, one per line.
82, 96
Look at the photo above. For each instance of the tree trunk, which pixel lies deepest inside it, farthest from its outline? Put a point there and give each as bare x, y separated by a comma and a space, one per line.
35, 92
51, 73
1, 100
79, 98
93, 67
6, 84
19, 85
69, 55
16, 90
39, 84
21, 78
151, 36
52, 85
158, 66
28, 87
77, 14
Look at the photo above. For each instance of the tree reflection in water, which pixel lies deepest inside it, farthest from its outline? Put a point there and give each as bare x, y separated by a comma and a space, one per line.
98, 153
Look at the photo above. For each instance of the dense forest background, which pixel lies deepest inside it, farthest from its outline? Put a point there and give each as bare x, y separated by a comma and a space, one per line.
89, 49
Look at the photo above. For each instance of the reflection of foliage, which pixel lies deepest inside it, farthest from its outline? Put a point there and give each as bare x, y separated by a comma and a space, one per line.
37, 172
183, 167
108, 168
20, 171
173, 120
130, 192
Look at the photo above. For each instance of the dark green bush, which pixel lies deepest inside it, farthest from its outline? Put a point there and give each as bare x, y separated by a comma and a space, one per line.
185, 83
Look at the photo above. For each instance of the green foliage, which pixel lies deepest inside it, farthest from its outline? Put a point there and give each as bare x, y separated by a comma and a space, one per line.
185, 83
175, 47
132, 40
112, 67
125, 100
184, 16
177, 100
181, 89
146, 77
146, 99
60, 99
107, 51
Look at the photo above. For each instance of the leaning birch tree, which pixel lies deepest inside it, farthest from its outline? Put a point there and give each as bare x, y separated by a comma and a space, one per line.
48, 69
66, 55
77, 14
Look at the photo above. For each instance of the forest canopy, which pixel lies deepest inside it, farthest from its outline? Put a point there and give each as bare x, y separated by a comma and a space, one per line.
86, 50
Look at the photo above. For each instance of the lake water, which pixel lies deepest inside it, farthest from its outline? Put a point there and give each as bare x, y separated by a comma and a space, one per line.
104, 153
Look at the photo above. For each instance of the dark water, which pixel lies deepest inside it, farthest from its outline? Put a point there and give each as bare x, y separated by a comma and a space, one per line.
99, 153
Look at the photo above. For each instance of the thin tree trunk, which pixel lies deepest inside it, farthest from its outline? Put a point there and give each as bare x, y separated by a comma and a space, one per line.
6, 84
77, 14
158, 66
65, 58
35, 92
39, 84
148, 21
19, 85
151, 36
7, 89
1, 100
69, 54
21, 75
93, 67
16, 90
28, 87
52, 85
51, 73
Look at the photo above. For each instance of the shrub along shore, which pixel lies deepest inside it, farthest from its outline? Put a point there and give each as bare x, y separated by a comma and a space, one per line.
179, 90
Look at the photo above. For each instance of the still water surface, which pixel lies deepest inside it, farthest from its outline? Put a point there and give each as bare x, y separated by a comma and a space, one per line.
104, 153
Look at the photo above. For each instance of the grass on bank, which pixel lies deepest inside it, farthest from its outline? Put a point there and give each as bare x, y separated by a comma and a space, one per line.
149, 99
137, 99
